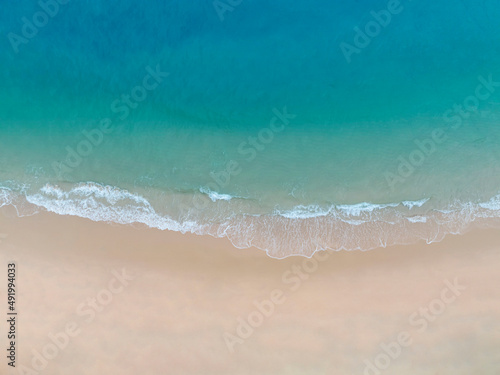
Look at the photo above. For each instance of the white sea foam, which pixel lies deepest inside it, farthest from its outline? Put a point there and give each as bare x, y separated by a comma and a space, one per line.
417, 219
411, 204
6, 196
346, 210
304, 212
364, 207
301, 230
214, 196
106, 203
493, 204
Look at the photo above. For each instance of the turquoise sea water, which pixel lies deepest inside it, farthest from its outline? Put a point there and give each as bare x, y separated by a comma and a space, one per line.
250, 120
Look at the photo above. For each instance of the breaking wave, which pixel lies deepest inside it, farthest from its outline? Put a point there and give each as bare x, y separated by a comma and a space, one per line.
301, 230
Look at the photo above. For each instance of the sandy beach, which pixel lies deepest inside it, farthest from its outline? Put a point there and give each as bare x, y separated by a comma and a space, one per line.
97, 298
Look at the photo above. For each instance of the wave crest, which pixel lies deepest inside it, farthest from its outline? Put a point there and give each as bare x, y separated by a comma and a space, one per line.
302, 230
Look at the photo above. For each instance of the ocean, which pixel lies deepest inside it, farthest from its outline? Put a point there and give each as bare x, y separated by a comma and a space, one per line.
292, 127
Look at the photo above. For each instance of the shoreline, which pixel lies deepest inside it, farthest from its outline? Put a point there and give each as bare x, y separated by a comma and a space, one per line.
306, 229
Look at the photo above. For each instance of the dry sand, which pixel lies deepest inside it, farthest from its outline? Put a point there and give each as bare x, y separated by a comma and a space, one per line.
189, 295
